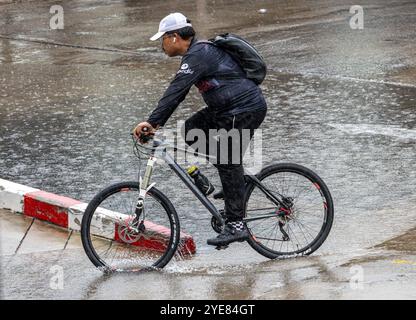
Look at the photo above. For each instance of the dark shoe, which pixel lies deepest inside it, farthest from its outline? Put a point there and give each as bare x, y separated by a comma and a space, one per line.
233, 231
219, 195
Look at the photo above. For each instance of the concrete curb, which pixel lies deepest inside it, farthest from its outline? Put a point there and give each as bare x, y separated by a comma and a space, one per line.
67, 213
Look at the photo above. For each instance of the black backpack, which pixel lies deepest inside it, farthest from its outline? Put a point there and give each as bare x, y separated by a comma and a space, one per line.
244, 53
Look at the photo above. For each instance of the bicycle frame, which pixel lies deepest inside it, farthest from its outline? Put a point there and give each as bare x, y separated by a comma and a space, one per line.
183, 175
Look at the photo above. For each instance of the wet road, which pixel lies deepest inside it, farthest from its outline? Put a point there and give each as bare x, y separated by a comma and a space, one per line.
62, 272
341, 102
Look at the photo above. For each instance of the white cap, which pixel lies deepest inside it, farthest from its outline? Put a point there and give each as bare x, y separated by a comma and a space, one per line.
174, 21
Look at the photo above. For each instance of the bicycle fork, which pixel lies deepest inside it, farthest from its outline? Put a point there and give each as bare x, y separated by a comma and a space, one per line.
145, 186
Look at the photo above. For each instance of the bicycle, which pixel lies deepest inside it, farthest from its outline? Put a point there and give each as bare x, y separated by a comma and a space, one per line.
131, 226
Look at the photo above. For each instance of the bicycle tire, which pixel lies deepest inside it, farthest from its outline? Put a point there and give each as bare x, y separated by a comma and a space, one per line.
327, 207
159, 197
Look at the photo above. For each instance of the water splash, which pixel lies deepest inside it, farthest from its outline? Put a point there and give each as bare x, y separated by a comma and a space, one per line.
376, 129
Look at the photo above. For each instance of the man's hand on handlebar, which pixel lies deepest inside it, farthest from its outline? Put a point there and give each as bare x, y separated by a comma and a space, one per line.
144, 131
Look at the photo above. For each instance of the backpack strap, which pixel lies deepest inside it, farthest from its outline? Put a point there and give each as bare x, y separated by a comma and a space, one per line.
228, 76
206, 41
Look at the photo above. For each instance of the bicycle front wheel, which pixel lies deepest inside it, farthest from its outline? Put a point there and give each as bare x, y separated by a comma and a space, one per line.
278, 232
116, 239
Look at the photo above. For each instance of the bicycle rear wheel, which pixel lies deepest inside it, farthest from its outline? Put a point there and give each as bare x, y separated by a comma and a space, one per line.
287, 233
116, 240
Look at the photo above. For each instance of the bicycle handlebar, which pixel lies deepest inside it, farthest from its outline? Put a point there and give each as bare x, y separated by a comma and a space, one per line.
143, 138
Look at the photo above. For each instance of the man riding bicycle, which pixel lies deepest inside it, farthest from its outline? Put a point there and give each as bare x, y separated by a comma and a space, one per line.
232, 103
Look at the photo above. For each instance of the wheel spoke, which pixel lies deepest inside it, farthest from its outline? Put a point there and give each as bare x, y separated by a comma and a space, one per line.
128, 246
308, 205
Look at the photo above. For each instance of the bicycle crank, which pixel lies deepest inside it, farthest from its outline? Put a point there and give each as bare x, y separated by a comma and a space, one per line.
215, 224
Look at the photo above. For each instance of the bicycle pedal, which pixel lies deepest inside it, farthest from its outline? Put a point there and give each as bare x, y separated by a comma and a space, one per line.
221, 247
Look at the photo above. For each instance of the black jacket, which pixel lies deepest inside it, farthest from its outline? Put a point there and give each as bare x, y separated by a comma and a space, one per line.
206, 66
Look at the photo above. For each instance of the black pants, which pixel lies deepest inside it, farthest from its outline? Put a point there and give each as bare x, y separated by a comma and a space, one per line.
230, 169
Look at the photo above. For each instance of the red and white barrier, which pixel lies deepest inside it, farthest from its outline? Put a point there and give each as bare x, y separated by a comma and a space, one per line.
67, 212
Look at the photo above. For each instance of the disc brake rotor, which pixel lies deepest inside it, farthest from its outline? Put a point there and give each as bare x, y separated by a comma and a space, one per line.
131, 231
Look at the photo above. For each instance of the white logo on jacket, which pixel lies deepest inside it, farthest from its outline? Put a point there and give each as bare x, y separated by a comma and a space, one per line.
185, 69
